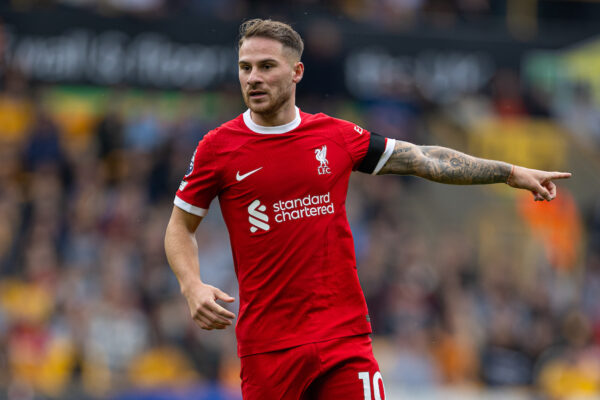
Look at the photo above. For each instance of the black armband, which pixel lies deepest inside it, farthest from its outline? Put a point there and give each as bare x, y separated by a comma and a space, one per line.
376, 149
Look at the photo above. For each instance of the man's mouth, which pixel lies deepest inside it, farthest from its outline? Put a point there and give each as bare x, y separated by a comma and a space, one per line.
255, 94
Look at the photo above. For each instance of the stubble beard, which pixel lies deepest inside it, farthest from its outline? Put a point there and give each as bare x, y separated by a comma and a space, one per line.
270, 107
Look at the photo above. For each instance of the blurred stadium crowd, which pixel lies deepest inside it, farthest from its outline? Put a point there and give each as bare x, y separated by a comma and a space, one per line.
392, 12
467, 287
391, 15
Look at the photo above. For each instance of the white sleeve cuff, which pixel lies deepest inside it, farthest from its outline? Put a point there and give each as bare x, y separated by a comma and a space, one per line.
201, 212
389, 149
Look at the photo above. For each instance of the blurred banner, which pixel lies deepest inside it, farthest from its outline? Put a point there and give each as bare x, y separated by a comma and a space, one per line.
75, 46
81, 48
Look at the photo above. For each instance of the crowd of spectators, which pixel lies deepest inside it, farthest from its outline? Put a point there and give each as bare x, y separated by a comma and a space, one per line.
388, 14
400, 11
90, 309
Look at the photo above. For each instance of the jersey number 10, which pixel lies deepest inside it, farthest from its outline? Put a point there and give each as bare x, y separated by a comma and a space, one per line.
364, 376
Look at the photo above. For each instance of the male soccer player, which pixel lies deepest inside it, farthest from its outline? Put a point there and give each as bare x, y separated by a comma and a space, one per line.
281, 176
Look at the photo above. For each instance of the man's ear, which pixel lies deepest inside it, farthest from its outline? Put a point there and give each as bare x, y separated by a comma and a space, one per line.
298, 72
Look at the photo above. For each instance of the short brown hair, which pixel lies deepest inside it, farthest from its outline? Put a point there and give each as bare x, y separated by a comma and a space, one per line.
275, 30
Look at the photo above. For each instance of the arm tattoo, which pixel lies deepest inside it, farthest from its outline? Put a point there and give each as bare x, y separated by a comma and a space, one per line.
441, 164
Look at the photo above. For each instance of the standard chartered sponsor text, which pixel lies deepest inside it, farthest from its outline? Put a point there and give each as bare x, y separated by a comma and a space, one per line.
307, 206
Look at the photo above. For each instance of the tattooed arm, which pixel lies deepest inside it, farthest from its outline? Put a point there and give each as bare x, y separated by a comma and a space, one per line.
444, 165
441, 164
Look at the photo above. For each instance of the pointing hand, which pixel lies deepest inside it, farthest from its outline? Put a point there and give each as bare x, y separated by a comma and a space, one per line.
538, 182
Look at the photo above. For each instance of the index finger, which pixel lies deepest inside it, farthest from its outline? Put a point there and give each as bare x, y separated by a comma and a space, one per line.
559, 175
216, 308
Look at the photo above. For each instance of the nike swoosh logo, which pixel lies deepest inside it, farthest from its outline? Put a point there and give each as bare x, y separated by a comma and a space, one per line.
239, 177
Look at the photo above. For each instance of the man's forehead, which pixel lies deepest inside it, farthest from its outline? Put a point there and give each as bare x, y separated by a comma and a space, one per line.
260, 48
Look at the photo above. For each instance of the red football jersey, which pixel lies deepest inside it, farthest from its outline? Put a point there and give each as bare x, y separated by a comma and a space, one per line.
282, 192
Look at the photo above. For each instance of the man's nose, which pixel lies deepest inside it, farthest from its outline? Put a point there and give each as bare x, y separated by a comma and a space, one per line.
254, 77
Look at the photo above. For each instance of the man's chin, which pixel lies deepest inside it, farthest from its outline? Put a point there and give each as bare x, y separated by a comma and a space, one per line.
259, 108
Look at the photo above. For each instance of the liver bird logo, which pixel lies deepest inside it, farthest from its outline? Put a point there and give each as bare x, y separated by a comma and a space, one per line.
321, 156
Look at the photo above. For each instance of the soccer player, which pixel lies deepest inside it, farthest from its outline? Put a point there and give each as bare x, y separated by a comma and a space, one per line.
281, 176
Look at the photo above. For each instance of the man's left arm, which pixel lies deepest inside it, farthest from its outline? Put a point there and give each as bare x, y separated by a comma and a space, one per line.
444, 165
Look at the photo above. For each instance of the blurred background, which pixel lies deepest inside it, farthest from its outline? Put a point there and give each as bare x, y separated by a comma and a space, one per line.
474, 292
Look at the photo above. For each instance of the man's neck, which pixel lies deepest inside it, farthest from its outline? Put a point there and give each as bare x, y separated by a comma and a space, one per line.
284, 115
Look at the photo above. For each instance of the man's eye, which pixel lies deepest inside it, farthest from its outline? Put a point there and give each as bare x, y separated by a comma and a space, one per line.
268, 66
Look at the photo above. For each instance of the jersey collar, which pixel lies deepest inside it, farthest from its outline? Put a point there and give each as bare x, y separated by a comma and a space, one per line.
271, 129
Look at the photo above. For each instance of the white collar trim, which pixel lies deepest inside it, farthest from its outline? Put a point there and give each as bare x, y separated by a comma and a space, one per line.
269, 130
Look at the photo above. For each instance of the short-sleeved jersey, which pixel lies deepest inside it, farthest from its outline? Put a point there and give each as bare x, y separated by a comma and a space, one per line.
282, 192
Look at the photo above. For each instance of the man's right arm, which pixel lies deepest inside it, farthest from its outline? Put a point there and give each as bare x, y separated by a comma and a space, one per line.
444, 165
182, 253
